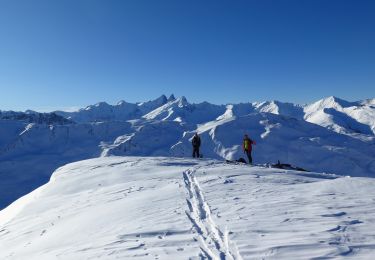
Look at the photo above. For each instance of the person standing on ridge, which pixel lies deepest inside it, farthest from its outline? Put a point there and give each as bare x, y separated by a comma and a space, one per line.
196, 142
247, 147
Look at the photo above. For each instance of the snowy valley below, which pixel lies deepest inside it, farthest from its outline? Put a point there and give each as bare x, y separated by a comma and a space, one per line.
125, 186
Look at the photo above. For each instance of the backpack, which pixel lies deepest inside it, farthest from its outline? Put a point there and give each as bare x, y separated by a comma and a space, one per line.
195, 141
247, 144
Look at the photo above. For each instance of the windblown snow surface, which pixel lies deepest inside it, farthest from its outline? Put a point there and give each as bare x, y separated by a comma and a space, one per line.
175, 208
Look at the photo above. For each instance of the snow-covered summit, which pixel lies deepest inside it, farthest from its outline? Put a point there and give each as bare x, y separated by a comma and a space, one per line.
171, 98
152, 104
329, 102
181, 110
342, 116
175, 208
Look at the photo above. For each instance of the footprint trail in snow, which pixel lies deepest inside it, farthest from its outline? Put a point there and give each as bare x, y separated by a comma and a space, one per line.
215, 243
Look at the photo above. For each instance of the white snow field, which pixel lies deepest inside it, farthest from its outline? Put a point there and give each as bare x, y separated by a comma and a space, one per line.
175, 208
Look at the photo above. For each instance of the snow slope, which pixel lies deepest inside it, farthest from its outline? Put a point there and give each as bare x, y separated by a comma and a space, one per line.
29, 153
175, 208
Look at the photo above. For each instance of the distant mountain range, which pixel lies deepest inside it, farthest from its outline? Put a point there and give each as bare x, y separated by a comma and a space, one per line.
330, 135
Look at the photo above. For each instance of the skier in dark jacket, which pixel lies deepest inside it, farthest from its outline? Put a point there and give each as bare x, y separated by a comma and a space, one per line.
196, 142
247, 147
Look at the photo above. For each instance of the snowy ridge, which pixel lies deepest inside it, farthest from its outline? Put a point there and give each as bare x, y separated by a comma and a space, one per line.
279, 108
347, 117
122, 111
351, 118
175, 208
35, 117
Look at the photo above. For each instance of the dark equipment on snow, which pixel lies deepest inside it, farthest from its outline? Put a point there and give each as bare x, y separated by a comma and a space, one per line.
287, 166
241, 160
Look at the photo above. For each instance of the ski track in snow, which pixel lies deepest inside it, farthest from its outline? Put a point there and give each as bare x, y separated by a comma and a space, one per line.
215, 243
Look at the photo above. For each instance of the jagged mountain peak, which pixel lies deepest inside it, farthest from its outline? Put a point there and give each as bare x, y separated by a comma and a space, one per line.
171, 98
161, 100
146, 107
182, 101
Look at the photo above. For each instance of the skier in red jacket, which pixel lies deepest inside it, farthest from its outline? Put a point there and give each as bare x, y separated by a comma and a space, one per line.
247, 147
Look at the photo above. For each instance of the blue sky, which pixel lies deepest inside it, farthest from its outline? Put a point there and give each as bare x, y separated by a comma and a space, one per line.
72, 53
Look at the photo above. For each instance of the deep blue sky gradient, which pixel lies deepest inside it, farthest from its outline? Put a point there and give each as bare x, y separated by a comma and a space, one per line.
72, 53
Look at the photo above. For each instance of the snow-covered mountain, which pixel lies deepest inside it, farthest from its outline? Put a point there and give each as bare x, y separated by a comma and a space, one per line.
180, 110
176, 208
352, 118
332, 112
35, 117
342, 116
330, 135
122, 111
